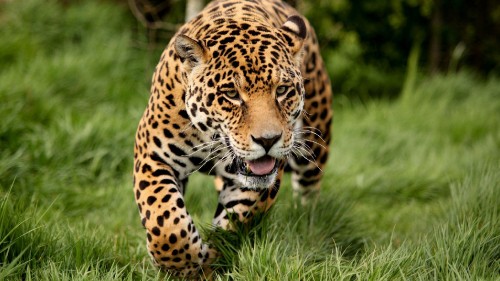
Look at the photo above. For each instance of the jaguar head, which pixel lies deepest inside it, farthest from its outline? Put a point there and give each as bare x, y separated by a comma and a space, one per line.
243, 83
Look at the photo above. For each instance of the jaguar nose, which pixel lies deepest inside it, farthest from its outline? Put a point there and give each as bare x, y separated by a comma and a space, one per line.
267, 142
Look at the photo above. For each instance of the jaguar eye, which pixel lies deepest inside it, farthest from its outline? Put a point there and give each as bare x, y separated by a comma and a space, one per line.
281, 90
232, 94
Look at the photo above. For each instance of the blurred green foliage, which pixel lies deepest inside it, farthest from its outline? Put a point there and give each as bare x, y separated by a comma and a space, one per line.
366, 44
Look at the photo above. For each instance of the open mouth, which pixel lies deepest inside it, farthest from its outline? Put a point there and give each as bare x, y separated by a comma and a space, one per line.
260, 167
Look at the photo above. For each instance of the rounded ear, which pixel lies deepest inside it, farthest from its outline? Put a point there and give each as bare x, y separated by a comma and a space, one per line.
296, 27
189, 50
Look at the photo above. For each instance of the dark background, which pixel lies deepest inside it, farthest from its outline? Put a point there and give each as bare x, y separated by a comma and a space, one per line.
366, 44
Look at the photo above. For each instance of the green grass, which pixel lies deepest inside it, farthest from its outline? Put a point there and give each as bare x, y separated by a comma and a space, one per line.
411, 191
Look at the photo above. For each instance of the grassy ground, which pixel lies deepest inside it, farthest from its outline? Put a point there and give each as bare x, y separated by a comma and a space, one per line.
411, 191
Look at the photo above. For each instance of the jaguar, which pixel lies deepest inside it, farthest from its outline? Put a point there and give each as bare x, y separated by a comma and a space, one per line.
241, 92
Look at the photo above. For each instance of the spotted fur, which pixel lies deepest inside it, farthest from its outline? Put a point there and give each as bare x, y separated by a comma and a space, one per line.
240, 92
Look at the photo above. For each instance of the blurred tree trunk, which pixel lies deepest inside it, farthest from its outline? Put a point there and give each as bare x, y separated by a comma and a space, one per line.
435, 40
193, 7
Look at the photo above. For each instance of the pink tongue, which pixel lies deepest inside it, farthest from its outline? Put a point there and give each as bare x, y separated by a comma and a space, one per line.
262, 166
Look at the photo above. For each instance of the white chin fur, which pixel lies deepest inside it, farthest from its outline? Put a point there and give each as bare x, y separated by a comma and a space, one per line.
257, 182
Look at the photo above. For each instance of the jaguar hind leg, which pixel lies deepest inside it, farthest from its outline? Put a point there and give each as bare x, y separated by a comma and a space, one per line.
308, 161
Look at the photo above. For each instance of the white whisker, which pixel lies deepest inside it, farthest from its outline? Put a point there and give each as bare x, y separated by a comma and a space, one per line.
188, 126
315, 142
305, 131
302, 150
210, 156
222, 159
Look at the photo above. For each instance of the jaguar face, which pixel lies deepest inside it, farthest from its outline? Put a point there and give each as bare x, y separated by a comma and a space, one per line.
249, 95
